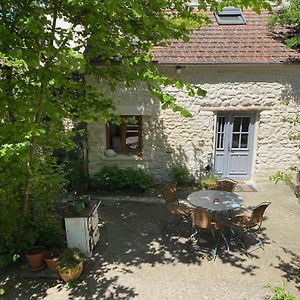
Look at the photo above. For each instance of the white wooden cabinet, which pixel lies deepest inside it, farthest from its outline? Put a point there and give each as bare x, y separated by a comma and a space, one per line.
82, 231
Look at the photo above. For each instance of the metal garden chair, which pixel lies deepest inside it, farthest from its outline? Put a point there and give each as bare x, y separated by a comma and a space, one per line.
202, 221
173, 206
250, 224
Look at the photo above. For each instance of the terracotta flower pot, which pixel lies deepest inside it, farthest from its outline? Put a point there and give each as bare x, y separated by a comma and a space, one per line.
51, 259
51, 263
35, 257
72, 273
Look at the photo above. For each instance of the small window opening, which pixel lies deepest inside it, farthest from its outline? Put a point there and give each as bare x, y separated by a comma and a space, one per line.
126, 137
230, 16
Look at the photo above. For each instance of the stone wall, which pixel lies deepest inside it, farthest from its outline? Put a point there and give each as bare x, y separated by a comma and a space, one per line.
169, 139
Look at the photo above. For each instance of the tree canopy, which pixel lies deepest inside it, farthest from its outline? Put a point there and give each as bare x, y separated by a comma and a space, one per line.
289, 16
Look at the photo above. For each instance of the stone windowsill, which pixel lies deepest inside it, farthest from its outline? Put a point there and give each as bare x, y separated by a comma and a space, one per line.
126, 158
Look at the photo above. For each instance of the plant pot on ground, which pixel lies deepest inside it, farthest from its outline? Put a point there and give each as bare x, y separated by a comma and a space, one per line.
210, 185
210, 182
227, 185
78, 207
70, 265
86, 199
35, 257
51, 259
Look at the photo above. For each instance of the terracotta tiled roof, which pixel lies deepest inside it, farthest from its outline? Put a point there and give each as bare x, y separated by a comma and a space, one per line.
233, 44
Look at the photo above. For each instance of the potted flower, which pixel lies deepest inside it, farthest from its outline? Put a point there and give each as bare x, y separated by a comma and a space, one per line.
35, 257
70, 264
139, 152
51, 259
210, 182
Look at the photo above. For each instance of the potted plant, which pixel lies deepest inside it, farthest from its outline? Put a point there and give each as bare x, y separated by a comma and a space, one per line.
86, 199
51, 259
139, 152
210, 182
78, 207
35, 257
70, 264
227, 185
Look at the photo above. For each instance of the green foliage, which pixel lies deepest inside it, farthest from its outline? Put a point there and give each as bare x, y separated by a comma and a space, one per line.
50, 233
289, 16
40, 225
137, 179
200, 21
116, 178
8, 257
69, 259
210, 179
207, 179
76, 175
279, 293
294, 170
180, 174
110, 178
72, 284
281, 176
200, 186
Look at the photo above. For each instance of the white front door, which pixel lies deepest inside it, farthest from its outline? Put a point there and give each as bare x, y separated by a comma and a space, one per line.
234, 144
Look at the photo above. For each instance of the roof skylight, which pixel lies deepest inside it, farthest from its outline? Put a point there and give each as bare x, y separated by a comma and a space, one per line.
230, 16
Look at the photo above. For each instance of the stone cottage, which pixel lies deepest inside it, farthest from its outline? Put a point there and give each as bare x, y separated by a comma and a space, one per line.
238, 128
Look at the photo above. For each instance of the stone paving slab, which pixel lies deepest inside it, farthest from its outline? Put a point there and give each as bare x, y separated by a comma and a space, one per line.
135, 259
27, 273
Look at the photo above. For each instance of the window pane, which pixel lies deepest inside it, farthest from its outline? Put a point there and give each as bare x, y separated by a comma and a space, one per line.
237, 124
244, 140
115, 136
221, 122
132, 136
220, 143
245, 124
126, 137
235, 140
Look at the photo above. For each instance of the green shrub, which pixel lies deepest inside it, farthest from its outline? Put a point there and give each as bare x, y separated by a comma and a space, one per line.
76, 175
200, 186
110, 178
7, 259
180, 174
137, 179
50, 233
116, 178
18, 231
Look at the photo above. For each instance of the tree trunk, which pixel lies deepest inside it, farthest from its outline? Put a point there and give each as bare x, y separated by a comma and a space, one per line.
32, 156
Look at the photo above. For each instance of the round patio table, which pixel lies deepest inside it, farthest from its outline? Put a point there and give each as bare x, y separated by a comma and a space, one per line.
216, 201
